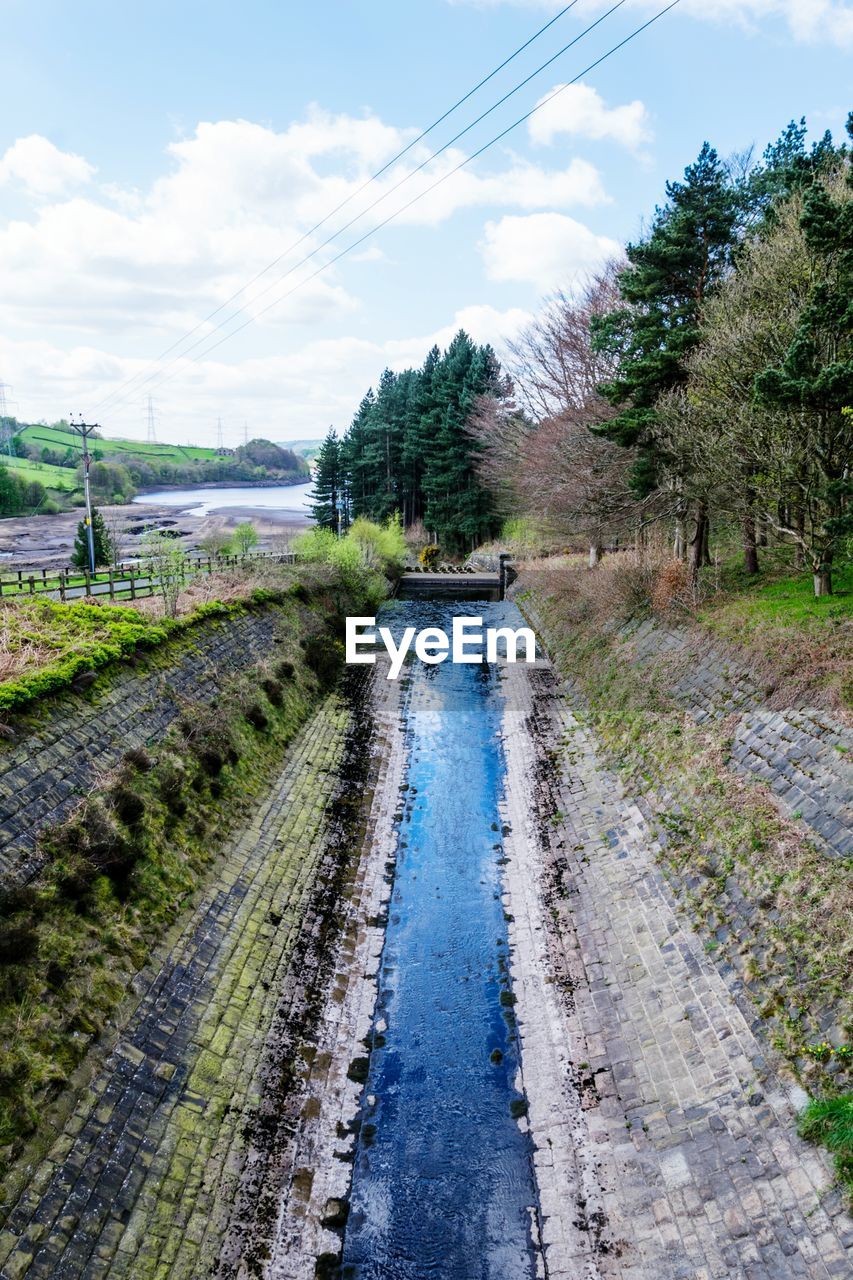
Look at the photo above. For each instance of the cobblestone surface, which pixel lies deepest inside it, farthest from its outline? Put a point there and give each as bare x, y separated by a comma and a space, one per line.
804, 755
78, 737
667, 1133
143, 1178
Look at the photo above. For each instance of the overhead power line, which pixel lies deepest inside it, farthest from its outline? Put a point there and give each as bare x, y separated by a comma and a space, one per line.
354, 194
166, 376
380, 199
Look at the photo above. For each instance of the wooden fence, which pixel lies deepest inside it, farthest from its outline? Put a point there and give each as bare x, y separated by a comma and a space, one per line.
123, 581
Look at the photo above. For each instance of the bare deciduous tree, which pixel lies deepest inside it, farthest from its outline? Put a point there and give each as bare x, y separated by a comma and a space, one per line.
553, 367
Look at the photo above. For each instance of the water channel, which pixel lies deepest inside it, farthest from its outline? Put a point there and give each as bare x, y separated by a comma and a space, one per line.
443, 1184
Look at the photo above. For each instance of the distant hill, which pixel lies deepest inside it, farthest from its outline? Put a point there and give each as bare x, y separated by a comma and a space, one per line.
60, 438
305, 448
46, 473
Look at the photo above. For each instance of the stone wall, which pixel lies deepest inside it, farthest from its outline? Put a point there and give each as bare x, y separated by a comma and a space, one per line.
72, 739
803, 754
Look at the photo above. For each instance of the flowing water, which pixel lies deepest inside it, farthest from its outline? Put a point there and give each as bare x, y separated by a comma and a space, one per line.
442, 1182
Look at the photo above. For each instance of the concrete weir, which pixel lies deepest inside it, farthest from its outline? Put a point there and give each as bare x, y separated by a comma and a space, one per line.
305, 1082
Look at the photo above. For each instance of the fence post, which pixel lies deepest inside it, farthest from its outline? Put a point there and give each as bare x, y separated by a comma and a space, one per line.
62, 576
112, 586
87, 579
32, 582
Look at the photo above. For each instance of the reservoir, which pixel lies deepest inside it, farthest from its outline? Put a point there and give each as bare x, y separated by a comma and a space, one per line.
443, 1183
287, 499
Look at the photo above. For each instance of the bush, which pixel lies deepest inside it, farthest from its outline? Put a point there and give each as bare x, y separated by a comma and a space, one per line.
257, 717
139, 759
671, 587
129, 807
325, 657
381, 546
367, 550
428, 558
274, 690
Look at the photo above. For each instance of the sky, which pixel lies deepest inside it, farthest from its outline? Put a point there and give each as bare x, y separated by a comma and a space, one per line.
155, 159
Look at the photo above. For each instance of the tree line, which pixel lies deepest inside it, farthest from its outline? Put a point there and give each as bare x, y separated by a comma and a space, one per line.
408, 450
702, 383
705, 381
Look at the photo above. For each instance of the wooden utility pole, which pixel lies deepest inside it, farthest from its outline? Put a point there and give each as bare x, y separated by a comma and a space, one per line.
83, 429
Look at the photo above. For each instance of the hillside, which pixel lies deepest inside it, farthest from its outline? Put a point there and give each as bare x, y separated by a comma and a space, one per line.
44, 475
60, 438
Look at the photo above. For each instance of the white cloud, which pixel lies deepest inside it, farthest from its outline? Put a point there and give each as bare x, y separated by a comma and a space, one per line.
547, 250
809, 21
283, 396
41, 168
580, 111
237, 196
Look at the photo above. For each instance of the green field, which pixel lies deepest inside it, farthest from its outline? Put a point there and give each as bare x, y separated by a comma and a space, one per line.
59, 438
51, 477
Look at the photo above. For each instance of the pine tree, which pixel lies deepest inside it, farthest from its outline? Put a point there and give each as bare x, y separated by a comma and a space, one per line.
101, 538
686, 253
326, 494
815, 378
408, 449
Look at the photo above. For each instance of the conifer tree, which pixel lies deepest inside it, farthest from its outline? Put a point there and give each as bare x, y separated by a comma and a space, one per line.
669, 275
815, 378
101, 538
326, 494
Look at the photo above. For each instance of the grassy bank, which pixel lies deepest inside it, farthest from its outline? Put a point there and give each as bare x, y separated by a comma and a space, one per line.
126, 863
765, 900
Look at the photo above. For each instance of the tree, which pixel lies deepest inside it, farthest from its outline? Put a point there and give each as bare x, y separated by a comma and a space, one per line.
101, 539
814, 379
167, 565
408, 449
244, 537
326, 494
216, 543
577, 484
554, 367
669, 276
10, 493
760, 424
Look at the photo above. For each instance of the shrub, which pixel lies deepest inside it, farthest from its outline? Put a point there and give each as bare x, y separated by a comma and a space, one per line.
129, 807
428, 558
139, 759
211, 760
325, 657
274, 690
284, 670
671, 587
257, 717
381, 546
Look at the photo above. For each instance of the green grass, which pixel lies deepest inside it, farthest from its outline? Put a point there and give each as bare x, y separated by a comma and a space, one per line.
830, 1122
112, 449
51, 477
12, 589
787, 602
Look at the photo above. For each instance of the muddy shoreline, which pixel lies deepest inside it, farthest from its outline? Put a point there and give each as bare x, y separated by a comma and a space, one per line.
45, 542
